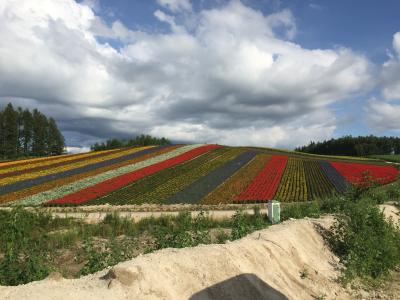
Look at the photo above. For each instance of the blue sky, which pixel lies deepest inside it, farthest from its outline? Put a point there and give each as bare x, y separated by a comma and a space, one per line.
364, 25
267, 72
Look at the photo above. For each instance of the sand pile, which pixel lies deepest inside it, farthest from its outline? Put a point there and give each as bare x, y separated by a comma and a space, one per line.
289, 260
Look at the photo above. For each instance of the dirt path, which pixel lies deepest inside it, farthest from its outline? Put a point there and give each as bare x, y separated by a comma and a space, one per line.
289, 260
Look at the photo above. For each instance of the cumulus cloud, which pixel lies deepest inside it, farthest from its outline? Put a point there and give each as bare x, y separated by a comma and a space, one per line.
234, 77
384, 114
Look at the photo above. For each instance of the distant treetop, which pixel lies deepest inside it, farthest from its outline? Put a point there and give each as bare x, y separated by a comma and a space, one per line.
141, 140
354, 146
28, 133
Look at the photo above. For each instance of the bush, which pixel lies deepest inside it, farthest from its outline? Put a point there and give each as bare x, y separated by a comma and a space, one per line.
243, 224
300, 210
182, 231
366, 242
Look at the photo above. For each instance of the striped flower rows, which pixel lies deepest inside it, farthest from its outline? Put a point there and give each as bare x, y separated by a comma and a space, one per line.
90, 181
88, 171
203, 186
208, 174
233, 186
34, 174
293, 186
154, 188
118, 182
265, 184
53, 164
35, 165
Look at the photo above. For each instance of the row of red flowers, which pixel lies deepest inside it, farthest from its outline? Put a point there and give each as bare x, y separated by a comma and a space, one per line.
264, 185
118, 182
357, 173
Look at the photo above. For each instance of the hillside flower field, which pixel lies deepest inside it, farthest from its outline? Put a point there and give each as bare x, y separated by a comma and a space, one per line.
170, 174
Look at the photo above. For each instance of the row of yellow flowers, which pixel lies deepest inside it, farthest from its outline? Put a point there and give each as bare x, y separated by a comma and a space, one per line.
293, 186
34, 174
33, 163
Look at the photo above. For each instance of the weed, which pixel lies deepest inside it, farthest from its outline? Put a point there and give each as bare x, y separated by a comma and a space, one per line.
304, 273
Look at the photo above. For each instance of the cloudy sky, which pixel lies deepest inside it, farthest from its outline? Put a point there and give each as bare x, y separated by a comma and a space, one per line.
250, 72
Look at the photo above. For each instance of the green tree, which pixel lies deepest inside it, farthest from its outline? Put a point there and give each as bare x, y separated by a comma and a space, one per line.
55, 140
39, 126
27, 131
10, 131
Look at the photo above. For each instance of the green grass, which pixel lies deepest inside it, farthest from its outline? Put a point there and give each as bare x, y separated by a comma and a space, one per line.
33, 244
392, 158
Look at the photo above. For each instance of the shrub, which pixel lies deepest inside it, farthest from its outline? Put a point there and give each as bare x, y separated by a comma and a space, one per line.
366, 242
243, 224
300, 210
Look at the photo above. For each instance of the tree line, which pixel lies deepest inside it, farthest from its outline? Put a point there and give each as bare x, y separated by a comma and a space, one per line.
354, 146
141, 140
28, 133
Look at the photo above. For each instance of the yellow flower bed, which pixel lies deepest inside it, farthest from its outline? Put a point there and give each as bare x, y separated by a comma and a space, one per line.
293, 186
25, 176
37, 163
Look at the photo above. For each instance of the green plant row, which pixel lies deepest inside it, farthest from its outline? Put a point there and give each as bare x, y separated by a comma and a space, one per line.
318, 184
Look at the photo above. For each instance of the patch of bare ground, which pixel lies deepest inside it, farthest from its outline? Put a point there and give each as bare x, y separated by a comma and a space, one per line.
267, 264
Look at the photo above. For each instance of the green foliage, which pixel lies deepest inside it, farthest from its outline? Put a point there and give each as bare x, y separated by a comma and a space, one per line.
243, 224
22, 260
354, 146
24, 133
392, 158
300, 210
103, 256
367, 244
140, 140
183, 231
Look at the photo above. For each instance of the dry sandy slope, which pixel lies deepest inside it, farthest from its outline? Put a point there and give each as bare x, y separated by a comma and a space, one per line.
263, 265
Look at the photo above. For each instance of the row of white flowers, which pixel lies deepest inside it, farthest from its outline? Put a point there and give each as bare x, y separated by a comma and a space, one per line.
61, 191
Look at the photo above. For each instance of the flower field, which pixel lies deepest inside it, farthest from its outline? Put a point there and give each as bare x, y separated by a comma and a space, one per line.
293, 185
355, 172
264, 185
205, 174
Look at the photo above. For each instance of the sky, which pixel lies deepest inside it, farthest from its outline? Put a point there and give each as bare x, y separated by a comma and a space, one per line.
252, 72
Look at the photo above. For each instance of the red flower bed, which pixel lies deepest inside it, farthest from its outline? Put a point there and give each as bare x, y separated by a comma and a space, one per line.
118, 182
357, 173
264, 185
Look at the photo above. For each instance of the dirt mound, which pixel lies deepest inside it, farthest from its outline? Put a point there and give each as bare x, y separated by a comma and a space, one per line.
289, 260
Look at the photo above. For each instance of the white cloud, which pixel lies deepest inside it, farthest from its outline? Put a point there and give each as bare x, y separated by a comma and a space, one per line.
396, 42
232, 77
383, 115
391, 72
73, 150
